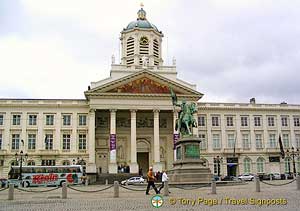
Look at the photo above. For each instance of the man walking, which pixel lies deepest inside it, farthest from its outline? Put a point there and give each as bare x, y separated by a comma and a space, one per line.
163, 179
151, 178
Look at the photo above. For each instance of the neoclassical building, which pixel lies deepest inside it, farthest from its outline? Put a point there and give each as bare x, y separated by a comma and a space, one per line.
128, 119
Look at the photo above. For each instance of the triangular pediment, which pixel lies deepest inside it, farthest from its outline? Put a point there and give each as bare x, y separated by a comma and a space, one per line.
143, 83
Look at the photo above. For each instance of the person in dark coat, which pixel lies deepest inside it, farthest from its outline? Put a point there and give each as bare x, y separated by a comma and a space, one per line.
151, 179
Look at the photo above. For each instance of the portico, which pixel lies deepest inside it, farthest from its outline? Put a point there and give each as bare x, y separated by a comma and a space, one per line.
121, 119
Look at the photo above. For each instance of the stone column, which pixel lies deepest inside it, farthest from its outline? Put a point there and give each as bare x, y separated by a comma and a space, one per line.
157, 165
134, 167
113, 168
91, 167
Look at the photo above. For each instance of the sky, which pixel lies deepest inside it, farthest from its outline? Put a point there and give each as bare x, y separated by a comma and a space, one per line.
232, 50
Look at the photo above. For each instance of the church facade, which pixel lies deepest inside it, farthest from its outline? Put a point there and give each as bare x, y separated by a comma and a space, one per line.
128, 120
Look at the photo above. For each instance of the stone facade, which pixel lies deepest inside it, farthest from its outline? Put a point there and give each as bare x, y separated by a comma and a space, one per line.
128, 120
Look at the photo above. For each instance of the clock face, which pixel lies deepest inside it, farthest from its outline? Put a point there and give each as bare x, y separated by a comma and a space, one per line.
144, 40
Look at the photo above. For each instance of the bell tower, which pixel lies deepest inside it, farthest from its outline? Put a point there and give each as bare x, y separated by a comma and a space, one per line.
141, 42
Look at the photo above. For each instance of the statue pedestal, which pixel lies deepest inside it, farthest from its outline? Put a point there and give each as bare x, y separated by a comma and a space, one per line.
188, 167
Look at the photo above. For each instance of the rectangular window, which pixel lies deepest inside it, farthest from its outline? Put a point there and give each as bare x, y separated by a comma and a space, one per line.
244, 121
203, 141
48, 162
229, 121
66, 141
285, 140
230, 141
31, 141
297, 139
272, 140
49, 142
216, 141
296, 121
82, 141
16, 119
284, 121
66, 119
215, 121
15, 143
246, 141
201, 121
82, 120
271, 121
32, 119
257, 121
49, 119
0, 141
1, 119
258, 141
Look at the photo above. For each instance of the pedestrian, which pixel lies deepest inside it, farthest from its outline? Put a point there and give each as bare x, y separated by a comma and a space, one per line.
164, 178
151, 180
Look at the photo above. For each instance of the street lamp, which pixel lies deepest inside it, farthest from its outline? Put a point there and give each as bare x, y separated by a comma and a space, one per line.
293, 153
218, 160
21, 158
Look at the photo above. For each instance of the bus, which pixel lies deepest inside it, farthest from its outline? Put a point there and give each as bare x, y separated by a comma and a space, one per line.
45, 175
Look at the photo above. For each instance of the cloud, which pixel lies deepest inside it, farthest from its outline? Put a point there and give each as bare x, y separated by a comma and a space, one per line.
232, 50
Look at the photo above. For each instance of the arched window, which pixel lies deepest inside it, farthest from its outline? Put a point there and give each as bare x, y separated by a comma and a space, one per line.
247, 165
30, 163
130, 50
260, 165
287, 165
66, 163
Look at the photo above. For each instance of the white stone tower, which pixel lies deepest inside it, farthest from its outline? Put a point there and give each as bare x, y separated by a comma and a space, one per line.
141, 41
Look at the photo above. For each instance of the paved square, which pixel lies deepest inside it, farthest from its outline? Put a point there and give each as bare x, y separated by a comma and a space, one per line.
179, 199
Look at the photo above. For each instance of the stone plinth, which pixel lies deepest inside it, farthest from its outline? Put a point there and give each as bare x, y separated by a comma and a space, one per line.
189, 168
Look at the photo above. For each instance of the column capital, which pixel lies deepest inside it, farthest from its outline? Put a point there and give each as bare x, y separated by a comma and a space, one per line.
92, 110
133, 110
156, 110
113, 110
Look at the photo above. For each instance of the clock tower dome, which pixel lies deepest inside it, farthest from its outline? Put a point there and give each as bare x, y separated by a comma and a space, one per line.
141, 42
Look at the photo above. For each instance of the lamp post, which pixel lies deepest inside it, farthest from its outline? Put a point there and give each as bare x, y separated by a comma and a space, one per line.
293, 153
218, 160
21, 158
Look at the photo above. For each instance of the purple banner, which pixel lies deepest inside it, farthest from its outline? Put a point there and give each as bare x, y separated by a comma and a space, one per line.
175, 139
112, 142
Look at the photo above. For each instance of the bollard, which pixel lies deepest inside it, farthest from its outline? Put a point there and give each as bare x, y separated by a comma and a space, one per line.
64, 191
166, 188
213, 187
116, 189
106, 182
11, 192
298, 182
87, 182
285, 176
257, 184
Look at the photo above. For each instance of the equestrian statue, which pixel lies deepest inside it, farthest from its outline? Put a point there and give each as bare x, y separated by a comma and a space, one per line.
186, 121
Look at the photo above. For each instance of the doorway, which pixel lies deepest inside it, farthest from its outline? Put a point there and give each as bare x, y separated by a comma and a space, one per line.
231, 169
143, 161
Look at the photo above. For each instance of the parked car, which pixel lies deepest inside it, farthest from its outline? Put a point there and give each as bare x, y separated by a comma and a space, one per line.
228, 178
276, 176
3, 182
133, 180
246, 177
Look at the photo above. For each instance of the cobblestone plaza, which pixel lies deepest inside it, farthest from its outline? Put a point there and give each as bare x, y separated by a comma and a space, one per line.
179, 199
